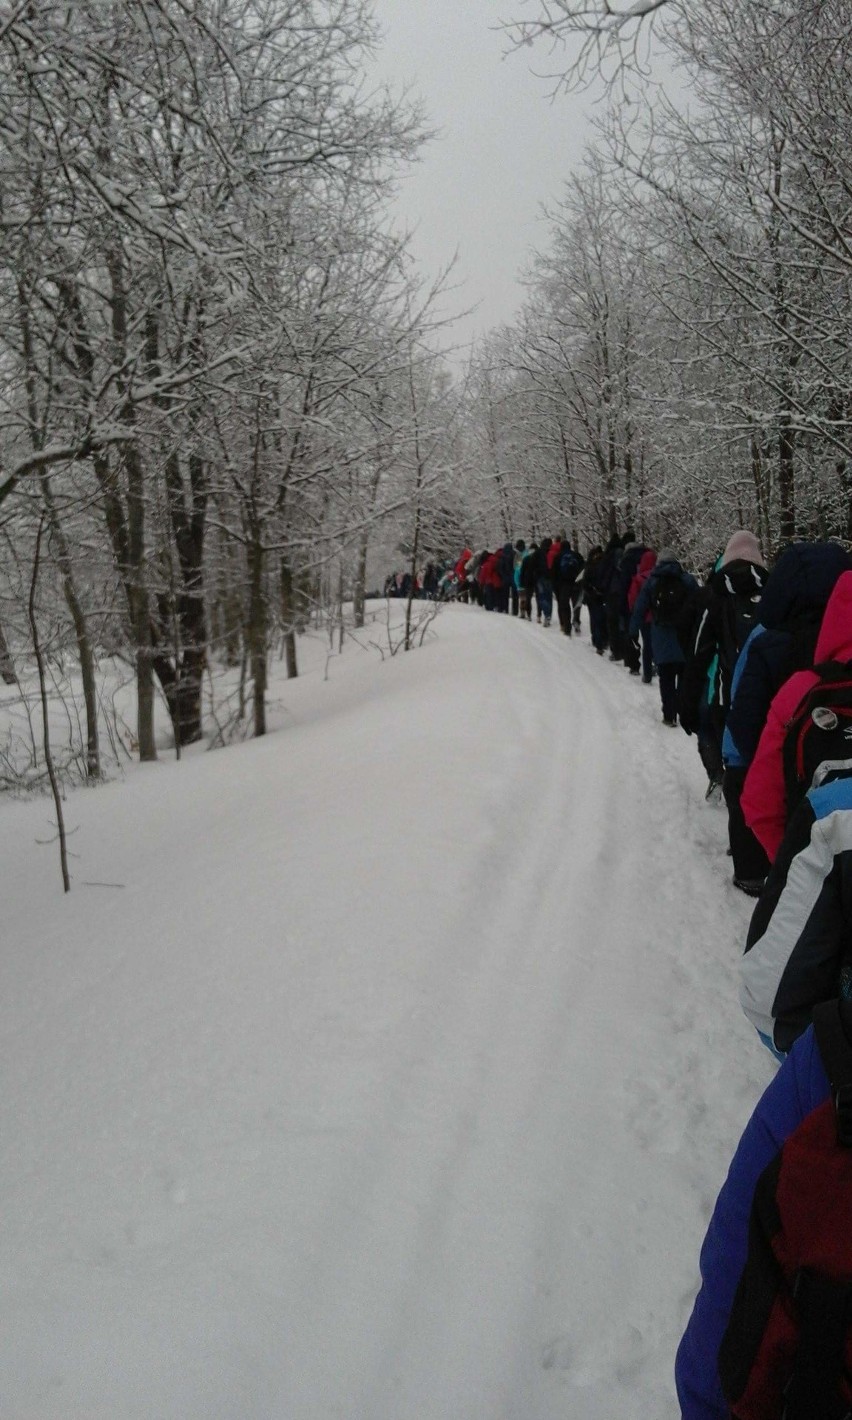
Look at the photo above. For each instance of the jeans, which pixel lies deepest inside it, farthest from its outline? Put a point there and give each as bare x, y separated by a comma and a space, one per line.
544, 597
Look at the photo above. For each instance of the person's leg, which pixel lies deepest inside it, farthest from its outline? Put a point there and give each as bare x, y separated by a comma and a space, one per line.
647, 654
668, 674
546, 601
709, 747
631, 653
515, 599
750, 862
576, 609
616, 650
563, 601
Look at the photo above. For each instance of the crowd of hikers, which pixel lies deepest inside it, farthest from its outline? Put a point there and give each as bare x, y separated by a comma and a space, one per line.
756, 663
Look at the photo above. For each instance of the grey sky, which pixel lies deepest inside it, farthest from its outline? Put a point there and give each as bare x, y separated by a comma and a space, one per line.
504, 146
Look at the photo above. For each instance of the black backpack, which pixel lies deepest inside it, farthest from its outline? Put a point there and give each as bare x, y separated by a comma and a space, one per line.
817, 743
671, 602
788, 1345
570, 564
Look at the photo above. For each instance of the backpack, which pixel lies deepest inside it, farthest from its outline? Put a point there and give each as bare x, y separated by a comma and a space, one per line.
787, 1350
569, 565
817, 744
671, 602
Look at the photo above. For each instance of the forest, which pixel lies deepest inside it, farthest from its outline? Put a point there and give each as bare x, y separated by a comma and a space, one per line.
230, 402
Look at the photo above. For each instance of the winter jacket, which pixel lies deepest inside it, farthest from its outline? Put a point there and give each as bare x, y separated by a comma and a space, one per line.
764, 796
488, 574
593, 593
564, 580
799, 1087
462, 564
789, 613
506, 565
542, 562
799, 944
665, 643
647, 563
526, 571
606, 571
727, 618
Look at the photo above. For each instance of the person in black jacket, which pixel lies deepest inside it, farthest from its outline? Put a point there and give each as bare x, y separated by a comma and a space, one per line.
789, 616
567, 566
612, 592
728, 613
543, 582
628, 566
594, 597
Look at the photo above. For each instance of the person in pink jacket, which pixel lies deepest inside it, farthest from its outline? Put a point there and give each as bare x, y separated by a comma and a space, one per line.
764, 797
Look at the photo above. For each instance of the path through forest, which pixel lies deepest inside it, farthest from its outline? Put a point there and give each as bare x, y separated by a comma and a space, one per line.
397, 1078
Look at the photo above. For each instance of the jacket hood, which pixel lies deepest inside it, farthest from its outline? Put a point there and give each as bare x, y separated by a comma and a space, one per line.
545, 544
741, 578
508, 549
743, 546
801, 581
647, 561
667, 554
834, 642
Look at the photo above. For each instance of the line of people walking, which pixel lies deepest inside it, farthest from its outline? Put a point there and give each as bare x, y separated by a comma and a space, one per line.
756, 663
767, 689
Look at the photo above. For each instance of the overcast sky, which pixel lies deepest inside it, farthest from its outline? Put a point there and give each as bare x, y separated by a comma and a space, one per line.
503, 148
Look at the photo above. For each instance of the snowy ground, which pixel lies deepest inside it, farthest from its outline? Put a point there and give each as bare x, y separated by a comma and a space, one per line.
383, 1069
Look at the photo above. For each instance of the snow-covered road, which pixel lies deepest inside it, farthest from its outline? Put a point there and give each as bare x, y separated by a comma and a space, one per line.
397, 1079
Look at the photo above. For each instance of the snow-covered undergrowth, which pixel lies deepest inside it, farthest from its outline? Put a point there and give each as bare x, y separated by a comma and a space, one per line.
382, 1069
226, 698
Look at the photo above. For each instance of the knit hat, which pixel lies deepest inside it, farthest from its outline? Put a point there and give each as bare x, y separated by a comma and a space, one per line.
667, 554
743, 546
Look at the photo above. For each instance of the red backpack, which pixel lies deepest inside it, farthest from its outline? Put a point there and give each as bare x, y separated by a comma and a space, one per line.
817, 742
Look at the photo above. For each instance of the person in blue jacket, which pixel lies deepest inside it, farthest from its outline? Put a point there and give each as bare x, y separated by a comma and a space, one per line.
799, 1087
667, 640
789, 616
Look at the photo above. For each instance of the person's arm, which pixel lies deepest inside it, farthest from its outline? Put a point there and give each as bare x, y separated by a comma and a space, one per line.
764, 795
641, 605
693, 686
797, 1088
797, 937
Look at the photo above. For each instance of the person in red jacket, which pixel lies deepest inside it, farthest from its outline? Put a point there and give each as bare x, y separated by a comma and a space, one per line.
461, 575
489, 580
764, 796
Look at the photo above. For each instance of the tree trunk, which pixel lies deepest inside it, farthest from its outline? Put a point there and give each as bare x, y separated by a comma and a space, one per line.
81, 630
360, 594
7, 665
288, 616
257, 634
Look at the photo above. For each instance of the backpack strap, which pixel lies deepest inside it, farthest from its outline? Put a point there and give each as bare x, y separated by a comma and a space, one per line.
833, 1031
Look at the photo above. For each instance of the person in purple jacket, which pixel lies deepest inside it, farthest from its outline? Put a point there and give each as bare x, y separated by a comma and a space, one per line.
800, 1086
